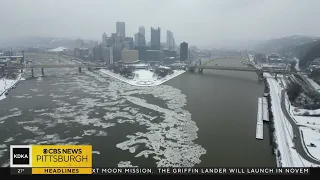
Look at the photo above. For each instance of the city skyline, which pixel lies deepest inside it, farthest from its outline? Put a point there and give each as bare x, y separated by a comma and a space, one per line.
203, 23
168, 39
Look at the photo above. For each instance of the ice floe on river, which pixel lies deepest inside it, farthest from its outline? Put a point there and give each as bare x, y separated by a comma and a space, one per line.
166, 131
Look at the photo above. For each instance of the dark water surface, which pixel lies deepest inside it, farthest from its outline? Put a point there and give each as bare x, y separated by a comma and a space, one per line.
191, 120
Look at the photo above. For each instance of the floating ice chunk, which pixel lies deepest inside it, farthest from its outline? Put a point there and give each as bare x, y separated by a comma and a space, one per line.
125, 164
16, 113
89, 132
101, 133
95, 152
9, 139
77, 137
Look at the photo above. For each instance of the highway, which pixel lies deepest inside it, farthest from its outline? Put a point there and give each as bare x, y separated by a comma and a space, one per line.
295, 128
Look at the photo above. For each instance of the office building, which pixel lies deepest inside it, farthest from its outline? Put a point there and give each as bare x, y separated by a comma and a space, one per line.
168, 53
104, 39
142, 31
105, 55
79, 43
142, 52
128, 43
184, 51
121, 29
111, 55
129, 56
154, 55
170, 41
139, 39
97, 50
155, 39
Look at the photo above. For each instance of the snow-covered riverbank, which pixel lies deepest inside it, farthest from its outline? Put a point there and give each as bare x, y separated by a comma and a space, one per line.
7, 84
143, 77
288, 156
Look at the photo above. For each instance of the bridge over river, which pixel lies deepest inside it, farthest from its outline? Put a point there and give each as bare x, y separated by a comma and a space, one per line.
191, 67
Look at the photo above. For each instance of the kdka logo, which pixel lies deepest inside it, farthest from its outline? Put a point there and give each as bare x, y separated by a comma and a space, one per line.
20, 156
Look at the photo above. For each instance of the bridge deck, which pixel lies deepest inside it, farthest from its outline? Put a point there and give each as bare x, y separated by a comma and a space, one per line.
190, 67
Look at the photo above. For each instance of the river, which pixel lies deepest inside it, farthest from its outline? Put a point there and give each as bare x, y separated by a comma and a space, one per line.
191, 120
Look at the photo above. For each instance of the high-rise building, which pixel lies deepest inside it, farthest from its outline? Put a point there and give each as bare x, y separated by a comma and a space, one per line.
155, 38
105, 55
115, 39
104, 38
142, 52
128, 43
79, 43
139, 40
111, 55
184, 51
142, 31
170, 41
121, 29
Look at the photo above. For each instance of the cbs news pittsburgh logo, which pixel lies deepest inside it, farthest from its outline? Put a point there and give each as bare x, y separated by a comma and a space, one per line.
52, 159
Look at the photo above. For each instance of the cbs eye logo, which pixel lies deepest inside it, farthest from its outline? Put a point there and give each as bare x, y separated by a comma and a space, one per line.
20, 156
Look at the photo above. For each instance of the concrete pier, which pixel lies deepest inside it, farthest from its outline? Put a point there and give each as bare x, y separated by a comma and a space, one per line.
259, 128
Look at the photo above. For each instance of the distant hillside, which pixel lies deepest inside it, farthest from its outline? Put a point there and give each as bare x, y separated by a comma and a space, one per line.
307, 53
282, 45
33, 41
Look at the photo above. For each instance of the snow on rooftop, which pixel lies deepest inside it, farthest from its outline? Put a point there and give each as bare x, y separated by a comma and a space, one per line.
58, 49
140, 65
164, 67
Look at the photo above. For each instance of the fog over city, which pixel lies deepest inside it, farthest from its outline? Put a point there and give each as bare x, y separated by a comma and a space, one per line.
205, 23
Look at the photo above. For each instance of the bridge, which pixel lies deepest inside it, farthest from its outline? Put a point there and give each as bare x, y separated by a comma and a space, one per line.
228, 68
191, 67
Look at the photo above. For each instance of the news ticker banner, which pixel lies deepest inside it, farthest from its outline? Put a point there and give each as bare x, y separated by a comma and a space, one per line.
51, 159
77, 159
172, 171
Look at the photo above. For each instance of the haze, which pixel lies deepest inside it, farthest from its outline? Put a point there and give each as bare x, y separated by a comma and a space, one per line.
206, 23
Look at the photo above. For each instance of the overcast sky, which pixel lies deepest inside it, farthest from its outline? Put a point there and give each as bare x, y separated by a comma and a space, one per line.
199, 22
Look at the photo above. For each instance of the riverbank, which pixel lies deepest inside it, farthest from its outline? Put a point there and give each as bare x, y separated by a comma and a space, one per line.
283, 137
143, 78
7, 84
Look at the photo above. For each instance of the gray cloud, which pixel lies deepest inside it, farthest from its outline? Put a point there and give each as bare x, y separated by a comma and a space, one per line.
199, 22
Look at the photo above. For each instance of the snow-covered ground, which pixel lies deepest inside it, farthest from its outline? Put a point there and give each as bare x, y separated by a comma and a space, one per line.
283, 131
7, 84
314, 84
143, 77
311, 136
297, 64
300, 112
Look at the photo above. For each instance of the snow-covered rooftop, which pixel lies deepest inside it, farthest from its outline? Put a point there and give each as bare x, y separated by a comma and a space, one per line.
58, 49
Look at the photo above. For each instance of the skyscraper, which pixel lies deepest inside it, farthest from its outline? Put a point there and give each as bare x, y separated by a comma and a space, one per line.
128, 43
142, 31
121, 29
155, 38
184, 51
104, 38
139, 40
170, 41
